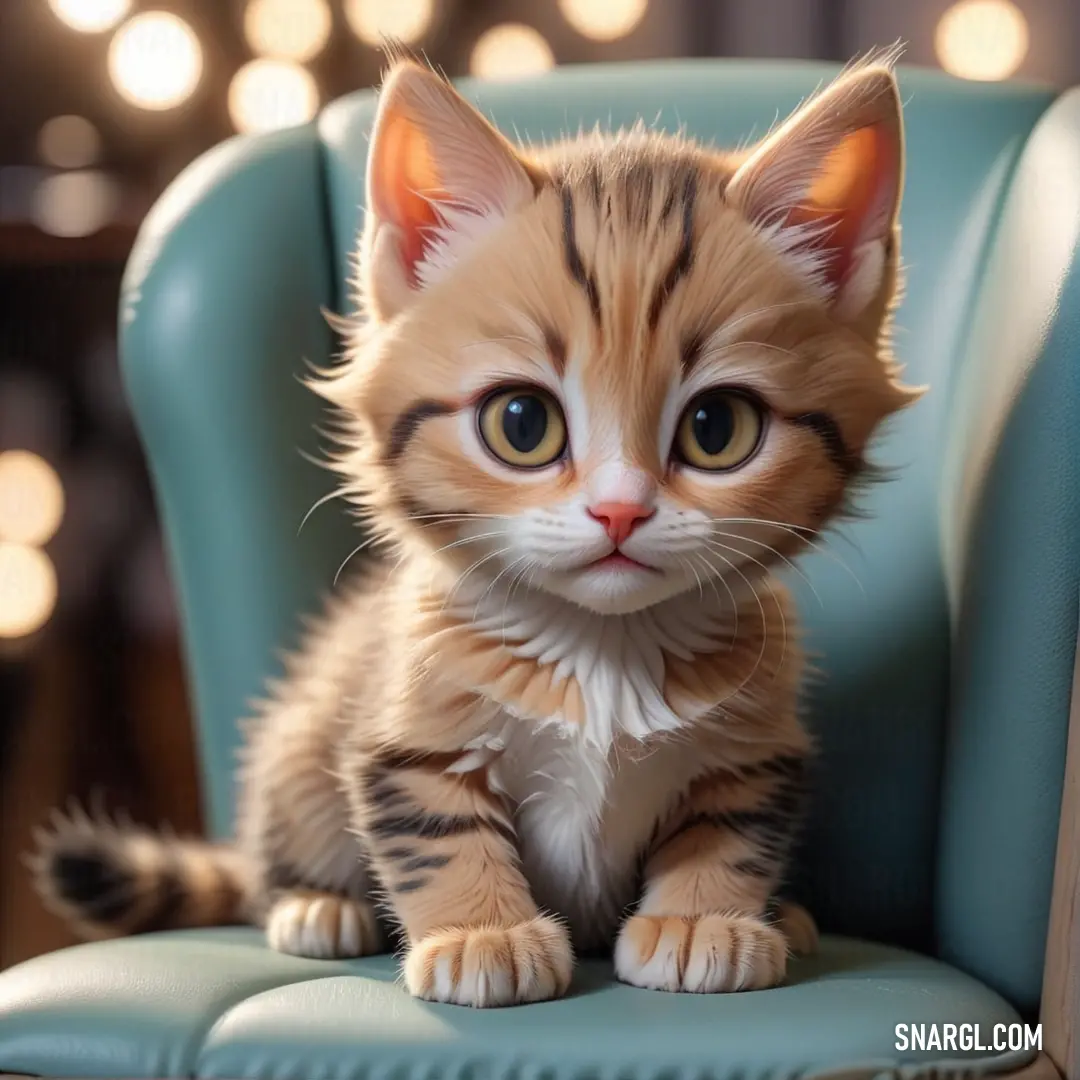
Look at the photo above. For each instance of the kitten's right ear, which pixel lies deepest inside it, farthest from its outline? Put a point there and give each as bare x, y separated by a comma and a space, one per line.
439, 177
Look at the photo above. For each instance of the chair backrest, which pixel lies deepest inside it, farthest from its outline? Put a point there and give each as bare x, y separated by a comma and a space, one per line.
945, 629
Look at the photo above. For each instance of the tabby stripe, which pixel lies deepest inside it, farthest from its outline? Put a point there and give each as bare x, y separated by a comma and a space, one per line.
741, 821
685, 257
783, 765
386, 796
408, 423
669, 205
172, 891
574, 264
425, 862
425, 826
411, 885
113, 907
770, 826
556, 350
400, 759
437, 826
225, 897
638, 193
86, 879
827, 429
691, 353
591, 180
758, 868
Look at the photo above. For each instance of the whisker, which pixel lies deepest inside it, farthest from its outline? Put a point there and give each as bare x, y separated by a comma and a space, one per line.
469, 540
475, 566
799, 530
510, 592
700, 584
713, 577
780, 555
501, 339
783, 626
772, 592
727, 328
764, 623
719, 350
530, 569
460, 543
491, 585
455, 516
337, 493
356, 551
803, 533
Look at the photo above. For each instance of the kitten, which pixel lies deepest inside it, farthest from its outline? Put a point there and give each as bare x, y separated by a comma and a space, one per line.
600, 393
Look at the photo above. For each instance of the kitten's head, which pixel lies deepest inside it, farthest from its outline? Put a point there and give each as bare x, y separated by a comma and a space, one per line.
621, 366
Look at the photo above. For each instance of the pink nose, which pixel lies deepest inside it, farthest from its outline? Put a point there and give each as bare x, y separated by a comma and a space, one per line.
620, 519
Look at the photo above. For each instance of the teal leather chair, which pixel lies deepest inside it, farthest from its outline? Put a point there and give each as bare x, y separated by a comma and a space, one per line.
943, 715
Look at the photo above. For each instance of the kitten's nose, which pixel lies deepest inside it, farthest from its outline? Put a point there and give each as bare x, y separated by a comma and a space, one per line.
620, 519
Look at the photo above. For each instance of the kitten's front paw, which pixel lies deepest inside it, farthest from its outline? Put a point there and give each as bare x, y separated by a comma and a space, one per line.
707, 954
323, 926
488, 967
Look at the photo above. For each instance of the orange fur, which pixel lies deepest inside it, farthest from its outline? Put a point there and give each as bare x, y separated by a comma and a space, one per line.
516, 724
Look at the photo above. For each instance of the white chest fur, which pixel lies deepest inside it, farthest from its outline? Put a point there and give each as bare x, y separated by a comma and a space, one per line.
589, 795
584, 817
616, 661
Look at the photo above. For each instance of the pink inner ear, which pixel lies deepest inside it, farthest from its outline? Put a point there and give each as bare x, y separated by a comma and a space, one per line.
851, 200
405, 188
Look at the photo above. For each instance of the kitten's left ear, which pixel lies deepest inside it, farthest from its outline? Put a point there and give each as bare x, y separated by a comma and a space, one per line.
439, 176
826, 186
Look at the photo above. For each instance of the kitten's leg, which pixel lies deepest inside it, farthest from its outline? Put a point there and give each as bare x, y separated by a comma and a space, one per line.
703, 923
443, 847
322, 925
314, 886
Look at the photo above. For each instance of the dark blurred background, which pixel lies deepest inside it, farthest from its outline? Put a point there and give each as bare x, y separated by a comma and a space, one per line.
102, 103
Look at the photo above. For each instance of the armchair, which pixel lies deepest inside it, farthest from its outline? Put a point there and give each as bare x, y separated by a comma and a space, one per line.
943, 718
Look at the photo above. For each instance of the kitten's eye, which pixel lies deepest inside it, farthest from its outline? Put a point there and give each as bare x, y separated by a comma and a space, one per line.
720, 430
523, 427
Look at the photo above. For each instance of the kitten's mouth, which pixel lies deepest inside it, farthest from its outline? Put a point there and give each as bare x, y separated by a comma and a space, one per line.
616, 560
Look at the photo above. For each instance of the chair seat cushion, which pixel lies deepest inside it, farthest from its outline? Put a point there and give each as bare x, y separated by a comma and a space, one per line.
219, 1003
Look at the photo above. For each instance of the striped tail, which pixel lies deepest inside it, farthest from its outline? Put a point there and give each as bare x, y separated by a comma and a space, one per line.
109, 880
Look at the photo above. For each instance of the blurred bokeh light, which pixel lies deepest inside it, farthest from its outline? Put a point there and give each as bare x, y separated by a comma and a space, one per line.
603, 20
90, 16
75, 203
31, 498
288, 29
27, 589
269, 94
982, 39
69, 142
511, 51
155, 60
375, 21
